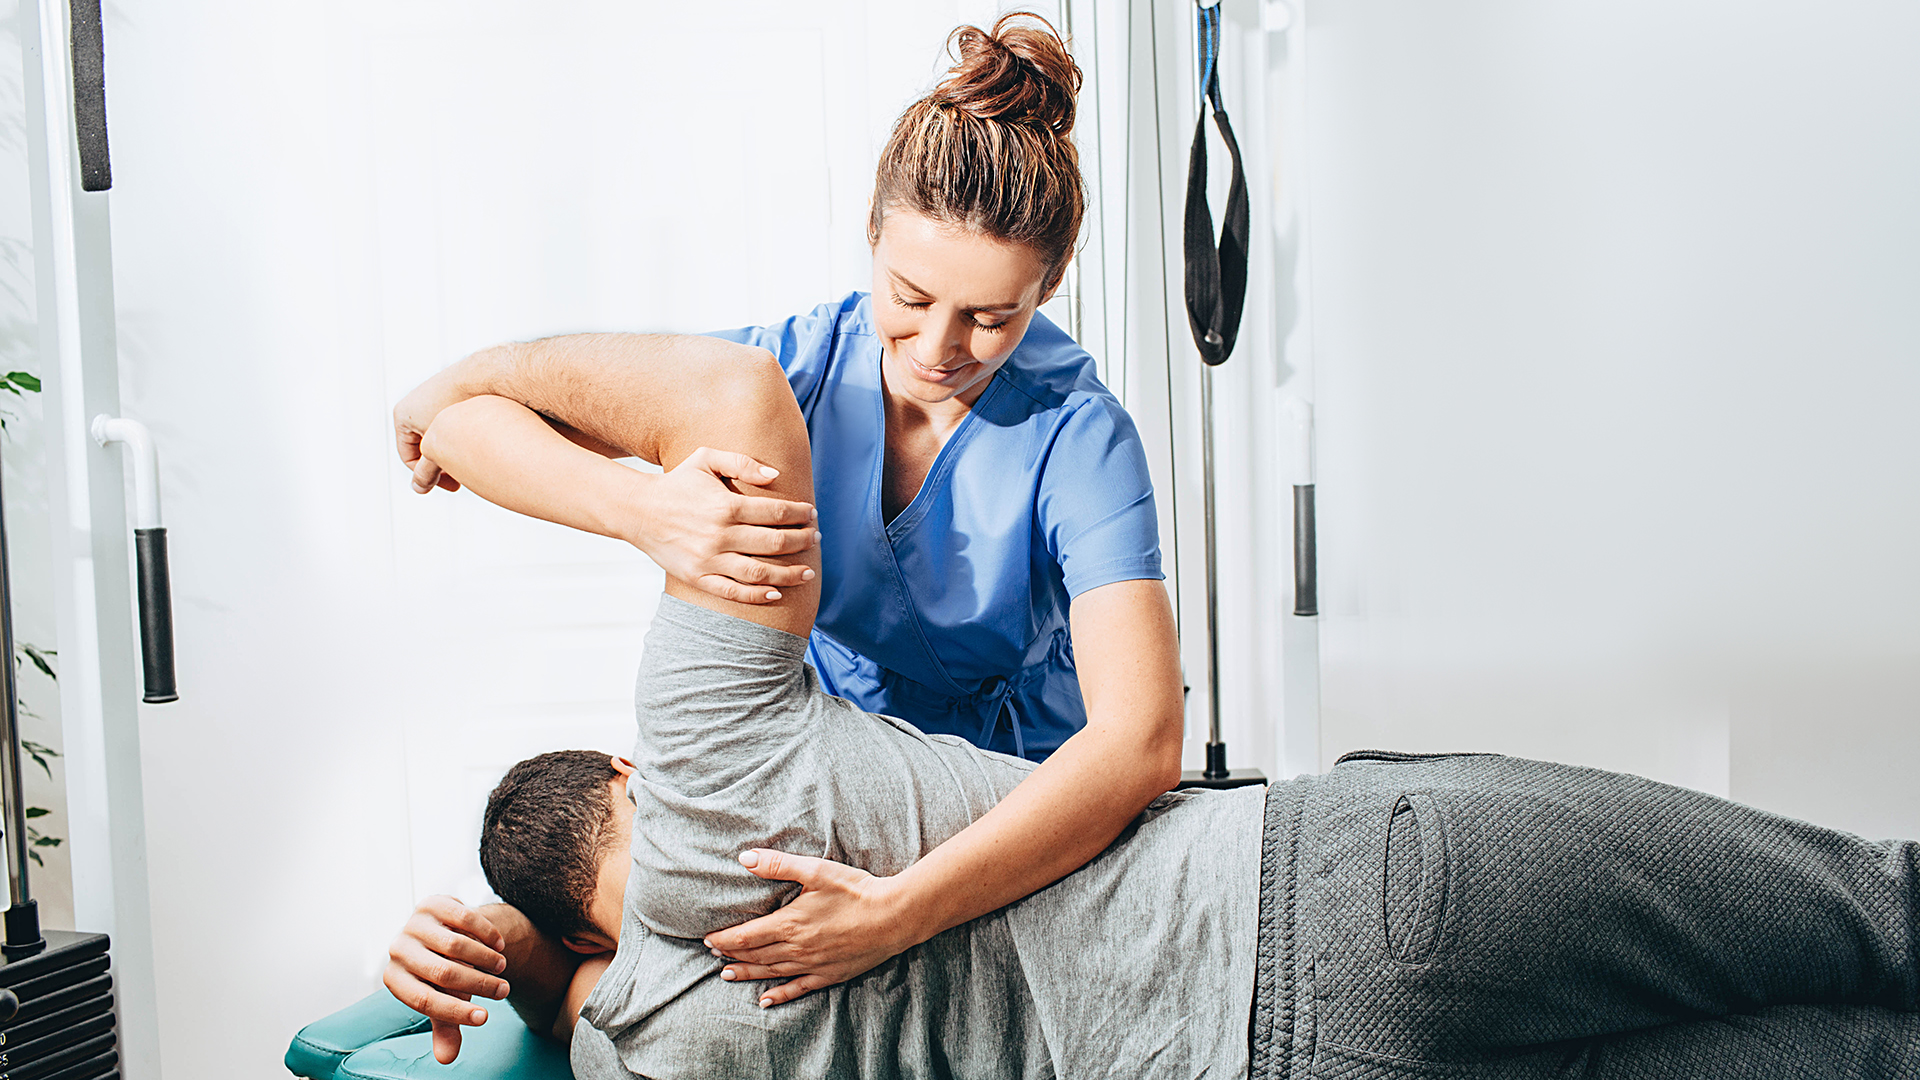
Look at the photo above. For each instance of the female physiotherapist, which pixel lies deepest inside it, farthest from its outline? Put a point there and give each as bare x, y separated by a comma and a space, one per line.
990, 549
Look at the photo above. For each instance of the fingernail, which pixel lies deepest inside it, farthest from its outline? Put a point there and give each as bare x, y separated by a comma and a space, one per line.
766, 1002
816, 536
807, 574
501, 967
478, 1016
708, 942
749, 859
816, 513
769, 472
727, 974
773, 594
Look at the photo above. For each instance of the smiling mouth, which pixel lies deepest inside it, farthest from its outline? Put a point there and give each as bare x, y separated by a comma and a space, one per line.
936, 374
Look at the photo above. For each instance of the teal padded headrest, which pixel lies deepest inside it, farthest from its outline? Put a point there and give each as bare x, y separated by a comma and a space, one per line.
377, 1038
321, 1046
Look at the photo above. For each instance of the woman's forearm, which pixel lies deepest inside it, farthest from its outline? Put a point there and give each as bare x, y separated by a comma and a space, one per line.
1077, 801
1055, 822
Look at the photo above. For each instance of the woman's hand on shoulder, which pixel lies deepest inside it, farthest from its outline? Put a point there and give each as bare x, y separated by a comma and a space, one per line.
844, 923
712, 537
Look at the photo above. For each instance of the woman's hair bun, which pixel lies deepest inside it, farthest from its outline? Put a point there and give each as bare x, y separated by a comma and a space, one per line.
1017, 73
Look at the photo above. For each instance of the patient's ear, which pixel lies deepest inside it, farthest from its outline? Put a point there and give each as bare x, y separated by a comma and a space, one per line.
623, 766
588, 944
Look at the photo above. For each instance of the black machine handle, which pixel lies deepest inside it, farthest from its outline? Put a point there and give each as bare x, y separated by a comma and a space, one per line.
1306, 564
156, 615
150, 555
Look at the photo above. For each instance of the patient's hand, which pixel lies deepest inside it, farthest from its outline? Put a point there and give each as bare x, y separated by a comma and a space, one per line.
446, 955
844, 922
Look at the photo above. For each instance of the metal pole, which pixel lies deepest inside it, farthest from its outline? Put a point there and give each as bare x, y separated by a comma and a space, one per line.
21, 923
1216, 769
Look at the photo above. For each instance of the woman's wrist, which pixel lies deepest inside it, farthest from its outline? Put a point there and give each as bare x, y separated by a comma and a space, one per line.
913, 911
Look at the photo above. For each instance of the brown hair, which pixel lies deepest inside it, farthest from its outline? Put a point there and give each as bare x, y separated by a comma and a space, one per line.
547, 825
991, 148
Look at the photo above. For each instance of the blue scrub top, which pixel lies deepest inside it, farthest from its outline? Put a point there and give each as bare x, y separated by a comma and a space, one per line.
954, 615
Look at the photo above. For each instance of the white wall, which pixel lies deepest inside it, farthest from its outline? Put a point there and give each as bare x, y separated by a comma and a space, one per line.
1618, 372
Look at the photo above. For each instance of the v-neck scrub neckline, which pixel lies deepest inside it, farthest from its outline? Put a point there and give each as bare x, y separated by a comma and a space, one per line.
954, 616
942, 462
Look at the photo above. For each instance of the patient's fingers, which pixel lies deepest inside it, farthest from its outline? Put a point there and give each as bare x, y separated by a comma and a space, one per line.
446, 1042
430, 1001
458, 916
437, 971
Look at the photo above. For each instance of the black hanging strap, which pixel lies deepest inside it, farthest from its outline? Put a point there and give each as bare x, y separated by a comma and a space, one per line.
1216, 276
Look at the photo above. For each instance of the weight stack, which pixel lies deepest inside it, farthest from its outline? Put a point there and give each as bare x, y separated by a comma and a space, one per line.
56, 1011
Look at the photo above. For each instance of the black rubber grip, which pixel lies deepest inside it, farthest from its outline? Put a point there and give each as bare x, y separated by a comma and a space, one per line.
156, 615
1306, 569
90, 95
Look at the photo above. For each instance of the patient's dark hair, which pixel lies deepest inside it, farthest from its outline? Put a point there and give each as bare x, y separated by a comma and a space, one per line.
545, 832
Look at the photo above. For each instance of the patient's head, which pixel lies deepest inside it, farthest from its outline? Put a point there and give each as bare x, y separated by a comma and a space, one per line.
554, 844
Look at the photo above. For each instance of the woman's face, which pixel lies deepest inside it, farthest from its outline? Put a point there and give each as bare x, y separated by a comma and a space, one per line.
950, 306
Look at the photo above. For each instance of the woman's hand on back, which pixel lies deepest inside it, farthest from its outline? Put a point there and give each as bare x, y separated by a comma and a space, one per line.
703, 532
844, 923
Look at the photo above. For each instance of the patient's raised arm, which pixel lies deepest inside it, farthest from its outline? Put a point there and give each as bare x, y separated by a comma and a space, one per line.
625, 395
507, 454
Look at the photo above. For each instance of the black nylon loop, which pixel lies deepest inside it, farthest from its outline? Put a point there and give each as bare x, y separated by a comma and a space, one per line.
1216, 276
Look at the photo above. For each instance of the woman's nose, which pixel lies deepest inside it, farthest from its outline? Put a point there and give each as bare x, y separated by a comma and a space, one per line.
953, 337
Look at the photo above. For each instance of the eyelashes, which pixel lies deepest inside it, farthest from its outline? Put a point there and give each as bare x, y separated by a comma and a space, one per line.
922, 305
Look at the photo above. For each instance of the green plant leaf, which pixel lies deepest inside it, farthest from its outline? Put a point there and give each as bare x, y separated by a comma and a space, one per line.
38, 811
24, 380
47, 841
9, 388
35, 748
35, 856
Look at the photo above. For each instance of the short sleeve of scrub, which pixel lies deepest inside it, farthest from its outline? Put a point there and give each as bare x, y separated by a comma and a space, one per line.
1095, 501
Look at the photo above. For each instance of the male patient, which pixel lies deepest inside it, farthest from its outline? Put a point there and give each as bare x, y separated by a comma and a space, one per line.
1402, 916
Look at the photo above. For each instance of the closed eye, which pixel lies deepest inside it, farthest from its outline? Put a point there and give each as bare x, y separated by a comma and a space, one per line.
922, 305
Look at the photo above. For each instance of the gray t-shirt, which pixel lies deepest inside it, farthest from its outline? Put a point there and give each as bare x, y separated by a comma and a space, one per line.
1140, 964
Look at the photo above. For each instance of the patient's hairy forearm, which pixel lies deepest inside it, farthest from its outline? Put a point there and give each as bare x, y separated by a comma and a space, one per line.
617, 390
539, 969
